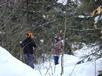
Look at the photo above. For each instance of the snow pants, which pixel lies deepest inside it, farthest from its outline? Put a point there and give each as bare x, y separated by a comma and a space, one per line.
29, 60
56, 60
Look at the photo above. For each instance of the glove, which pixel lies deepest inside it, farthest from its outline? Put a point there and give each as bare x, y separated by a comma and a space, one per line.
20, 42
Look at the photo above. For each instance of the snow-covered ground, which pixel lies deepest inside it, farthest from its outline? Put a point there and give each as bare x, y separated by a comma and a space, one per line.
10, 66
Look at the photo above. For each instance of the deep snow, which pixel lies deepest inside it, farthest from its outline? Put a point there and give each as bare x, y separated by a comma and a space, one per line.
10, 66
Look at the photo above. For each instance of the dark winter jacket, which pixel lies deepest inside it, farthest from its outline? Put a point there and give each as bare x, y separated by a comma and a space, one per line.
28, 46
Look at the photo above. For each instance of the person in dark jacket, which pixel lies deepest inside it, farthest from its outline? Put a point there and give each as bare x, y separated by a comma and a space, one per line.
28, 49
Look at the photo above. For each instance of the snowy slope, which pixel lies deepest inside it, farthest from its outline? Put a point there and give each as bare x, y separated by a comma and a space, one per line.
10, 66
86, 50
71, 68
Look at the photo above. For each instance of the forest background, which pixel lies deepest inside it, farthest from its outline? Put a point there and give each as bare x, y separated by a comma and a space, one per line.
45, 18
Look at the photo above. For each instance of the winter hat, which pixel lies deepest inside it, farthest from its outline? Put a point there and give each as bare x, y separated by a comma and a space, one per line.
57, 37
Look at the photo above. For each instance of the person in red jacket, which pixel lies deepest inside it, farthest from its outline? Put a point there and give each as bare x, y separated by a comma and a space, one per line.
57, 47
28, 46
